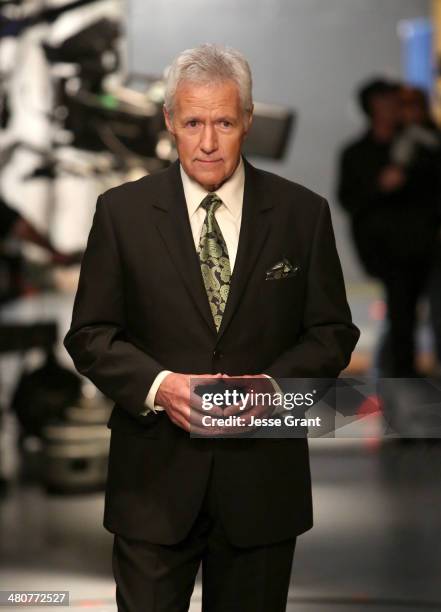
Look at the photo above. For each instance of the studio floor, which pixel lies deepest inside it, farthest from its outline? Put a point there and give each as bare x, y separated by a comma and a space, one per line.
375, 544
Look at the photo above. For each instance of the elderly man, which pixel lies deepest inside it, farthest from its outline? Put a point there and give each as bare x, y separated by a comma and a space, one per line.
176, 281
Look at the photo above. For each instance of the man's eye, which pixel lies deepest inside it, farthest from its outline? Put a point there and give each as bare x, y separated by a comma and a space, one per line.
192, 123
226, 124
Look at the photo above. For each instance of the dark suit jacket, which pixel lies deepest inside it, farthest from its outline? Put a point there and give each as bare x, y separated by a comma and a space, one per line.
141, 307
391, 230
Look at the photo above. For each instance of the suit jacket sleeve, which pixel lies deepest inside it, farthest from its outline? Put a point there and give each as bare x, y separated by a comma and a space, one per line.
97, 339
328, 334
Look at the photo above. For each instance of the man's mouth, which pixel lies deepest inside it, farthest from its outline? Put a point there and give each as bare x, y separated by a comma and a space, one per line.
208, 161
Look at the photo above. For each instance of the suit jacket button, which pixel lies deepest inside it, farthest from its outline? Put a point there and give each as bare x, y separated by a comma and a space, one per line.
217, 354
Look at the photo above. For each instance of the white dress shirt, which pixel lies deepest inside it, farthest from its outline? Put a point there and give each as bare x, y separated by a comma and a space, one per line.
228, 216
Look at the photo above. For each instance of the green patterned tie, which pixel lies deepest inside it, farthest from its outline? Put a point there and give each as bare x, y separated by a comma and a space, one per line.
214, 260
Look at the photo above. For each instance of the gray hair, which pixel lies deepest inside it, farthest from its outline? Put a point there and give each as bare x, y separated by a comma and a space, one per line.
206, 64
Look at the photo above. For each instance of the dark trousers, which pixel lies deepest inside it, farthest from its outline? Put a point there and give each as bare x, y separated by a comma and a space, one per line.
404, 287
157, 578
434, 295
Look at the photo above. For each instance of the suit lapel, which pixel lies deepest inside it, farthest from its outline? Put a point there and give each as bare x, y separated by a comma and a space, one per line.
254, 230
173, 224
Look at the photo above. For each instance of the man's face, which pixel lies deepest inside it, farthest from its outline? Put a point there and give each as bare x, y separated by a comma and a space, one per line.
208, 125
385, 108
412, 106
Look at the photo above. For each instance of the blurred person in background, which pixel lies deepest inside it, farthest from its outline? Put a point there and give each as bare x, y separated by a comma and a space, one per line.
419, 138
393, 205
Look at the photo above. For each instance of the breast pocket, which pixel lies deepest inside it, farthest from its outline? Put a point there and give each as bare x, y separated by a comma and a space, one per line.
282, 270
279, 283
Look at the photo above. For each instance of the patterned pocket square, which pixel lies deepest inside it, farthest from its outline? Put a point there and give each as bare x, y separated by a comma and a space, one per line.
281, 269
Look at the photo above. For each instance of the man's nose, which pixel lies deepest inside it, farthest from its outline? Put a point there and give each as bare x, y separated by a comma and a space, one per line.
208, 142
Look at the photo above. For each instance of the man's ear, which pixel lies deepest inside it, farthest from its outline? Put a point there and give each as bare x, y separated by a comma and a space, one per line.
249, 120
168, 121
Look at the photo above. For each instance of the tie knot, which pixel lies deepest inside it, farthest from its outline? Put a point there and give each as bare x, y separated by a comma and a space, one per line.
211, 202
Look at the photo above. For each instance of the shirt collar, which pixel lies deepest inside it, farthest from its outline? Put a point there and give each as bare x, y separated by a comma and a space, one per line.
231, 192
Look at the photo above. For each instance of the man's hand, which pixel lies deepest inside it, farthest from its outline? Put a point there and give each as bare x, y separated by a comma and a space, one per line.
247, 398
391, 178
183, 406
252, 384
